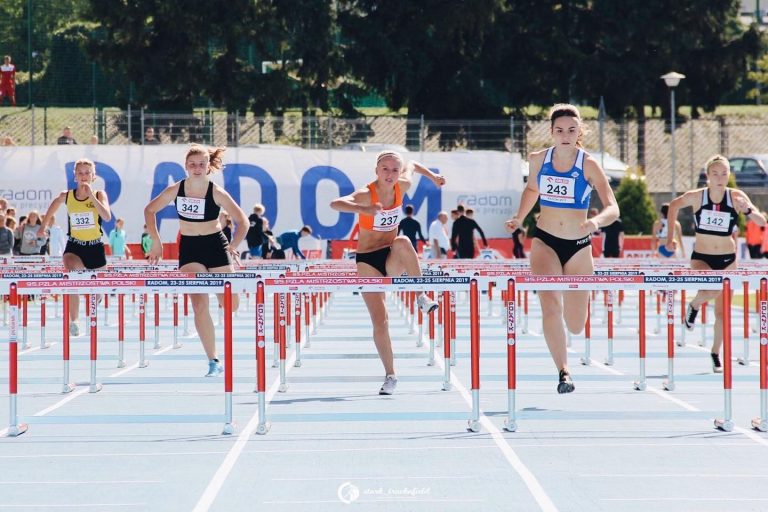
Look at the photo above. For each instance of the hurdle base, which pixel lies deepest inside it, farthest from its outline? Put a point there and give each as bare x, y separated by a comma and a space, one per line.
447, 386
760, 424
121, 363
510, 425
640, 386
724, 425
742, 361
43, 345
586, 361
473, 425
17, 430
68, 387
668, 386
229, 429
263, 428
431, 362
177, 345
297, 364
282, 388
95, 388
608, 361
143, 364
680, 343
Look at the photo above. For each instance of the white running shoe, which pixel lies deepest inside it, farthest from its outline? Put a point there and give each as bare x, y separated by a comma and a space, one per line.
388, 388
426, 305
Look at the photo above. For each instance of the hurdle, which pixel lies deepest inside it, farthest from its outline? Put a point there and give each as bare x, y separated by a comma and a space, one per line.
323, 286
761, 422
626, 282
83, 283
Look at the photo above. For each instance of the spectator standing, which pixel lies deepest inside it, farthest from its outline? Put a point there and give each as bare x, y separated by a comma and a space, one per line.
30, 242
117, 240
255, 236
149, 137
8, 81
146, 242
290, 240
6, 237
754, 238
463, 235
66, 137
438, 237
410, 227
613, 239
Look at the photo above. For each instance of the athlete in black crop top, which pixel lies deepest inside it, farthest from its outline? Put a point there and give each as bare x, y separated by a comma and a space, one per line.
202, 247
716, 208
195, 209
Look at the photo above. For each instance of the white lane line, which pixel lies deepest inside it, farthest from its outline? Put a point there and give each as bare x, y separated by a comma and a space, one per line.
685, 405
75, 394
684, 499
33, 349
705, 349
530, 480
379, 500
745, 444
384, 477
76, 482
84, 390
47, 506
669, 475
214, 486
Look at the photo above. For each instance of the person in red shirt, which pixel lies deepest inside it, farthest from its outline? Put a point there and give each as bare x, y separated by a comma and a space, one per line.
8, 81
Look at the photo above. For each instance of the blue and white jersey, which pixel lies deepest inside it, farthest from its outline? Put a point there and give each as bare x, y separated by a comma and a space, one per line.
569, 189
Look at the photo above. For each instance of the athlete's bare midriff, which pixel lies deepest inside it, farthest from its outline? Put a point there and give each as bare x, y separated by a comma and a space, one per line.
562, 223
369, 241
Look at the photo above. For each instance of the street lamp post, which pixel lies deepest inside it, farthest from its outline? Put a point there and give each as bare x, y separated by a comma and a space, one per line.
672, 79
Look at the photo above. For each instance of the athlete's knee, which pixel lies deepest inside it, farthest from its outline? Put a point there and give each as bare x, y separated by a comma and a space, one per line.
402, 243
575, 325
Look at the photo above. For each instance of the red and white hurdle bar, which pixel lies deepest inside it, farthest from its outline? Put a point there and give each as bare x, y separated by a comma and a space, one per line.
209, 283
641, 283
323, 286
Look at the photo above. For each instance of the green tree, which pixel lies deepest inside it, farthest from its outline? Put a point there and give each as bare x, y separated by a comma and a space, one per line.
635, 204
424, 55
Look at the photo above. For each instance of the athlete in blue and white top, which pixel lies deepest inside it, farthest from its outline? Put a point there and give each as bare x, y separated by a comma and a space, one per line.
562, 178
569, 189
716, 209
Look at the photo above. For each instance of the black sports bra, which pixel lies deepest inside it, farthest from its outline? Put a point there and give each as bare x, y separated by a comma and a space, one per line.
196, 209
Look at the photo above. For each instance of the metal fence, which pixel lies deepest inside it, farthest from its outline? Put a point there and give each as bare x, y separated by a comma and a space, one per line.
645, 146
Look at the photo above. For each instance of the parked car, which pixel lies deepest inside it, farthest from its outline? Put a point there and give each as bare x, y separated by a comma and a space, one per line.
748, 170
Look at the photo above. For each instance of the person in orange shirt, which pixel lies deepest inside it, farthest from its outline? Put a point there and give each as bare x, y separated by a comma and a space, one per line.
754, 239
380, 252
764, 245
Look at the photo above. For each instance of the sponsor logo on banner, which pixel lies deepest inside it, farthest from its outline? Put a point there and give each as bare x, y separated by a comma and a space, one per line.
13, 324
260, 321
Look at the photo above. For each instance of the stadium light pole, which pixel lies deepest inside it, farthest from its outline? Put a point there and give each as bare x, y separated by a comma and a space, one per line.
672, 79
